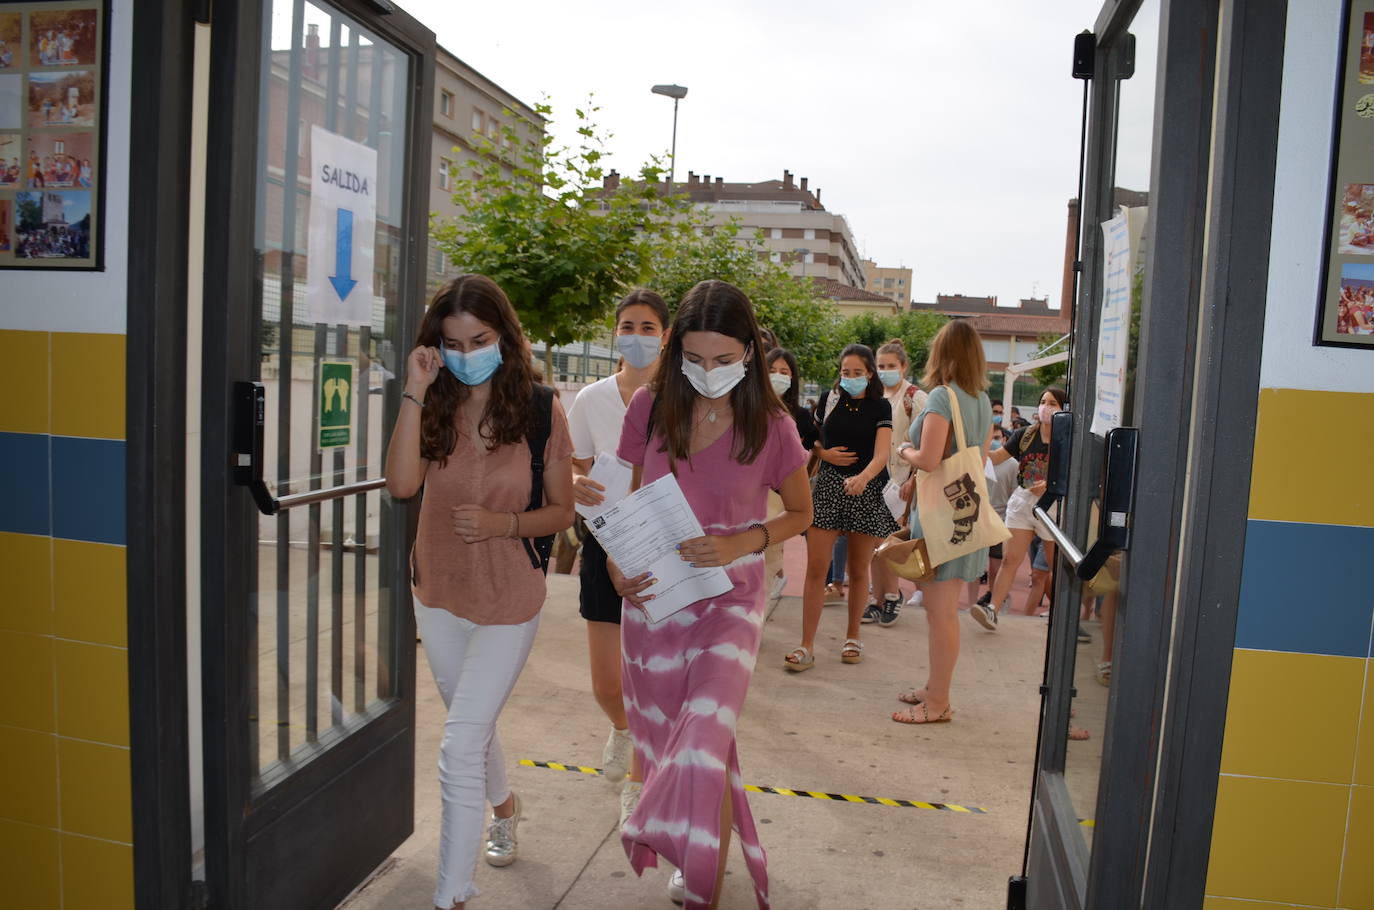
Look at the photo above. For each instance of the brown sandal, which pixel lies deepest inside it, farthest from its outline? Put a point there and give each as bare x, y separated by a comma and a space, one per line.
909, 717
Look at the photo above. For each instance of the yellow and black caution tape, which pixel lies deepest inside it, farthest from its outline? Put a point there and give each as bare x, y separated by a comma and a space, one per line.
785, 791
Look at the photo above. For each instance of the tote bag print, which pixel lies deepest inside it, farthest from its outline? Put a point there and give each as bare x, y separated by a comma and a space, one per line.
957, 517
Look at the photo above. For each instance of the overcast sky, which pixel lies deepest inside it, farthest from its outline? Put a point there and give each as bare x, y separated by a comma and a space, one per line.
947, 134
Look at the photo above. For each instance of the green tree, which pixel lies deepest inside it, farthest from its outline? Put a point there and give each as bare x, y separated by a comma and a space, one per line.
916, 329
1053, 373
30, 216
802, 320
535, 219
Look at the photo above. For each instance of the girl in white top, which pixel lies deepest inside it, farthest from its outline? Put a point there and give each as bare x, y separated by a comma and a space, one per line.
595, 420
907, 401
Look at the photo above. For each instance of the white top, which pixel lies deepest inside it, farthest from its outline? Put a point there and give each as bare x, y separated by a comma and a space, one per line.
595, 418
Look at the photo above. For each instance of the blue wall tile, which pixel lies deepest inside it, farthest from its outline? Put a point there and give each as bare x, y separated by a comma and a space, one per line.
1304, 588
88, 489
24, 483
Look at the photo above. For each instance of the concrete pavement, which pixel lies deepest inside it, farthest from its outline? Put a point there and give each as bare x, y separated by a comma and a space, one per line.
827, 730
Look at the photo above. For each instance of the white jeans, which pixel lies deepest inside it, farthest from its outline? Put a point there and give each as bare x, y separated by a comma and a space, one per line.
475, 668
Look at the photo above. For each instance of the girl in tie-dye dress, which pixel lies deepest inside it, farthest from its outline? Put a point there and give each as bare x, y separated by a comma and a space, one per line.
711, 418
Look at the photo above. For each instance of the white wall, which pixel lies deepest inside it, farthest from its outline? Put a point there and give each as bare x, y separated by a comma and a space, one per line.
1310, 69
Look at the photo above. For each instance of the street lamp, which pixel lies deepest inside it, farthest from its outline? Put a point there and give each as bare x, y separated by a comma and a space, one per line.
801, 253
677, 93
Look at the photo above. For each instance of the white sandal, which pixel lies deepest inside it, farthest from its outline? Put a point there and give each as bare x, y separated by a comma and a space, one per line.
855, 646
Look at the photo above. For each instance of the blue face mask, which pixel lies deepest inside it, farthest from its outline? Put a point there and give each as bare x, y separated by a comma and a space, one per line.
854, 385
997, 419
890, 378
475, 367
995, 445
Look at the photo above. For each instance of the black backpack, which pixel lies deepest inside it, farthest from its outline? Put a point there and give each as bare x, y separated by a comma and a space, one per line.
539, 548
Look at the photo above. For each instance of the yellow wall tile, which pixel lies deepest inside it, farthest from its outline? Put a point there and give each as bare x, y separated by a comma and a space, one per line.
29, 866
1226, 903
26, 570
1364, 749
24, 406
92, 692
1285, 418
88, 385
26, 678
97, 873
1276, 840
96, 789
28, 776
1357, 880
90, 593
1292, 715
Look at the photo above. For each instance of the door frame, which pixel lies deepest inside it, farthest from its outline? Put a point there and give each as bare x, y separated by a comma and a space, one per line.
1200, 346
230, 331
155, 402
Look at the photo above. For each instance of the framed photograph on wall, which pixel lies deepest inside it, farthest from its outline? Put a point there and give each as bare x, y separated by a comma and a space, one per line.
54, 72
1345, 310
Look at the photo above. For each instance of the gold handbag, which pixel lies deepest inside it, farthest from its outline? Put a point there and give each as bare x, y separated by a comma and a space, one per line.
908, 558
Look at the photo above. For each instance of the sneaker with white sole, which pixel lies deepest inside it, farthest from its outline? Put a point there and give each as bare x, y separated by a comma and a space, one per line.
872, 613
892, 606
629, 799
984, 615
916, 599
500, 846
677, 888
615, 758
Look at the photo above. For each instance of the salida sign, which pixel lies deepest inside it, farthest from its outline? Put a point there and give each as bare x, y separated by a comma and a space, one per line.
343, 227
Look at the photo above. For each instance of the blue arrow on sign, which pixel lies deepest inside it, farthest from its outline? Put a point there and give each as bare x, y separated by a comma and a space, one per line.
342, 279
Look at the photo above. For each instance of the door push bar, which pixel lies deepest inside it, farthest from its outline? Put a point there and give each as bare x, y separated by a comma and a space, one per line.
1118, 494
249, 414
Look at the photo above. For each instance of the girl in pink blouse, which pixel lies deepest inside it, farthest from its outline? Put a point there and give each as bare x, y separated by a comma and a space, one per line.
712, 419
470, 401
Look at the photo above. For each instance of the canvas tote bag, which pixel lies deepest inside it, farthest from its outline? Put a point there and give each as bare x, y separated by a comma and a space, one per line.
957, 517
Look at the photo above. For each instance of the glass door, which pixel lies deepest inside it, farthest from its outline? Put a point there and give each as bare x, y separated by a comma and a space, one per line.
308, 636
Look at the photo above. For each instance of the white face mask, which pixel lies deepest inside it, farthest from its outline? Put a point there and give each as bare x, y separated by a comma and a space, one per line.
1047, 412
781, 382
638, 350
717, 382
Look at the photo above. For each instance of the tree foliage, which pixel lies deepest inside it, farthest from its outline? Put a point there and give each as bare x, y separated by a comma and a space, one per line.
535, 220
916, 329
801, 319
1054, 373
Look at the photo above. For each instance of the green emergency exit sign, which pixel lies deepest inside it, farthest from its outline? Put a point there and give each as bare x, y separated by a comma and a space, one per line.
335, 405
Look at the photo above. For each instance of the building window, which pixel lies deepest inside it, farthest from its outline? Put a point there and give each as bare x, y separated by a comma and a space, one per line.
887, 282
446, 103
479, 120
901, 282
775, 233
775, 256
493, 127
445, 174
810, 234
810, 258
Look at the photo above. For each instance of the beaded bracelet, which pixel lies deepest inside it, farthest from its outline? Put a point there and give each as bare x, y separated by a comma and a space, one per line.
767, 538
513, 529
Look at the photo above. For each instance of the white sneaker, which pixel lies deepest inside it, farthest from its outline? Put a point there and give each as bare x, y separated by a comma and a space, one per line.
779, 582
615, 758
629, 798
677, 888
915, 600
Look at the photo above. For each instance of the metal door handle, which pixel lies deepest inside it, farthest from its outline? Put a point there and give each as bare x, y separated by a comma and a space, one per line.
250, 410
1118, 494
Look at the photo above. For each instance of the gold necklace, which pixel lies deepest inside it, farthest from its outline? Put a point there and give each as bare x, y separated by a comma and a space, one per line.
711, 414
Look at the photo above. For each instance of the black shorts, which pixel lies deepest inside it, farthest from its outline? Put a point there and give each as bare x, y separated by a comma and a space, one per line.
597, 601
995, 551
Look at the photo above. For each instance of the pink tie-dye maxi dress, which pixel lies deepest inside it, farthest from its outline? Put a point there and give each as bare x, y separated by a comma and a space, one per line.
685, 678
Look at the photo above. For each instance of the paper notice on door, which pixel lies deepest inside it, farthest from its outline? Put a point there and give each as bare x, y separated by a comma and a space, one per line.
341, 238
641, 533
613, 474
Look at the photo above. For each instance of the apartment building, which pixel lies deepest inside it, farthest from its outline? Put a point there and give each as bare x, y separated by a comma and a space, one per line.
1010, 334
894, 283
798, 232
851, 301
469, 109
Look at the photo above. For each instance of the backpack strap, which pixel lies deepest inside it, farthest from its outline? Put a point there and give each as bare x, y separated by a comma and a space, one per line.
537, 437
909, 399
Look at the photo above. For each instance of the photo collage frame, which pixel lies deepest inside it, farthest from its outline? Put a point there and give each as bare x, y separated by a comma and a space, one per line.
1345, 310
53, 74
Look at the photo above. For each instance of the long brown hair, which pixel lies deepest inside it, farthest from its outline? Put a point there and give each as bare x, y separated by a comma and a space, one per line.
956, 358
508, 413
791, 397
713, 306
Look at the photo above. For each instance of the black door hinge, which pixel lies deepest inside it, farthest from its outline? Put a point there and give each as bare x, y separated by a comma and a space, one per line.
1016, 892
200, 10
